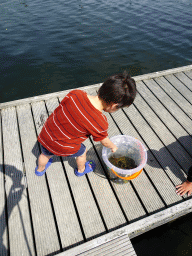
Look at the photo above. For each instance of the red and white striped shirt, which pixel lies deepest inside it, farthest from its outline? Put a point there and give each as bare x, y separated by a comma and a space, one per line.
71, 123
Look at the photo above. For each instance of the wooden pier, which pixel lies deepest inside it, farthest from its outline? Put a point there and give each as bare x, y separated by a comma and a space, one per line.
61, 214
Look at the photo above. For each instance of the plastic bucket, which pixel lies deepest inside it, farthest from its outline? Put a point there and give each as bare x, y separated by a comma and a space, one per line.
130, 147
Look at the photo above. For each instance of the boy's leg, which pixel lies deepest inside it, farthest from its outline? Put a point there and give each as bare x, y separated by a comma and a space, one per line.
81, 160
42, 161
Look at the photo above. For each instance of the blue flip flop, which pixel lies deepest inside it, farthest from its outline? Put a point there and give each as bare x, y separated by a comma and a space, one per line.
46, 166
87, 168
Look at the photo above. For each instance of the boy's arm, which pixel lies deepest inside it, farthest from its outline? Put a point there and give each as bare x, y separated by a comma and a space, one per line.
109, 144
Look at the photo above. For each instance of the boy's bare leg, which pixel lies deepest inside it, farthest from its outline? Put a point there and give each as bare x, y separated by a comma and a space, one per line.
81, 160
42, 161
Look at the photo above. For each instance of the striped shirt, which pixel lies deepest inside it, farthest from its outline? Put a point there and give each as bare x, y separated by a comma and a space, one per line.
71, 123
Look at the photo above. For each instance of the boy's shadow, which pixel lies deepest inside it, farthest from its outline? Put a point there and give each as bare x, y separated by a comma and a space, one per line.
166, 160
14, 187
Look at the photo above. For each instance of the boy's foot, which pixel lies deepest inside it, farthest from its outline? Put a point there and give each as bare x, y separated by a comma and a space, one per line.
89, 167
46, 166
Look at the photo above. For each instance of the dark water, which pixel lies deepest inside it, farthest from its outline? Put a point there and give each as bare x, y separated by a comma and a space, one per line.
49, 46
172, 239
123, 162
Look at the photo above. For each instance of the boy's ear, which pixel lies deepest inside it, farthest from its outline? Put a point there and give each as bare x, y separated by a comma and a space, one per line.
114, 105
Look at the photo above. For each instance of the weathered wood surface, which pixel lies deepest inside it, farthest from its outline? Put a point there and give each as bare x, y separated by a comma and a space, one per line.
50, 214
120, 246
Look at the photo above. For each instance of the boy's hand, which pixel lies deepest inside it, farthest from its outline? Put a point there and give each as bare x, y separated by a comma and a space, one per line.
114, 149
109, 144
186, 187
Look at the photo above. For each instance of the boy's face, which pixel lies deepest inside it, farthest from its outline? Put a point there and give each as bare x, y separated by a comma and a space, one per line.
111, 108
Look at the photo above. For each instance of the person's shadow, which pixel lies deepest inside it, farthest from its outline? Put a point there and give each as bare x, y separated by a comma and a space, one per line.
15, 186
172, 157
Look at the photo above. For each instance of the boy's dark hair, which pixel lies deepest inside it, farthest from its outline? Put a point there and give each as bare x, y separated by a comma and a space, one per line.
119, 88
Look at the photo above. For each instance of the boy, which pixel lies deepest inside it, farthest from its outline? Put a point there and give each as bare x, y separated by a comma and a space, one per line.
80, 115
186, 187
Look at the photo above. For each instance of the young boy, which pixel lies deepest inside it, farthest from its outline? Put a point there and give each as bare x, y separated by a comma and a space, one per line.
80, 115
186, 187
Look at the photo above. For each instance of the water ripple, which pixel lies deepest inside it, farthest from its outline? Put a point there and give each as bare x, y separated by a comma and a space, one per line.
85, 40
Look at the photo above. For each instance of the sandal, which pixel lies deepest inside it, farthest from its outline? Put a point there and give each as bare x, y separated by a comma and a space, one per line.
46, 166
87, 168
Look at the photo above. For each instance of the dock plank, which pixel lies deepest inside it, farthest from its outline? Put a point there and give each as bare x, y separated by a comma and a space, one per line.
179, 87
170, 93
170, 105
163, 184
3, 224
89, 215
164, 134
171, 123
15, 187
188, 73
184, 79
119, 246
62, 201
46, 238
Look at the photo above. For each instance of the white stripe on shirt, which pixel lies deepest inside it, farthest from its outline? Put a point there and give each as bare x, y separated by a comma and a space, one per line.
84, 116
59, 128
70, 121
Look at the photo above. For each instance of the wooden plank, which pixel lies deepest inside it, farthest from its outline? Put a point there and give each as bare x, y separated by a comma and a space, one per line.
171, 123
164, 134
173, 94
185, 79
19, 224
170, 105
189, 73
180, 87
157, 175
3, 224
46, 238
118, 246
131, 204
86, 206
68, 224
113, 247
